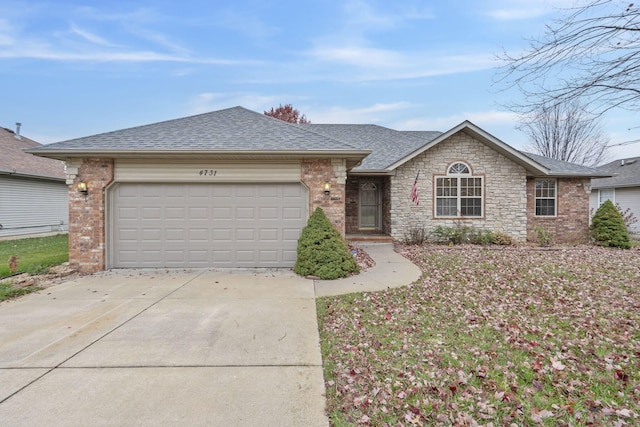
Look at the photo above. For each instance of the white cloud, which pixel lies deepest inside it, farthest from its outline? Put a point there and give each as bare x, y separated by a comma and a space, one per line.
515, 10
360, 15
369, 114
212, 101
90, 37
358, 56
480, 118
517, 14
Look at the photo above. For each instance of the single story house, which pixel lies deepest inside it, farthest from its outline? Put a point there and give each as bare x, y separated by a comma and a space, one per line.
33, 193
623, 188
233, 188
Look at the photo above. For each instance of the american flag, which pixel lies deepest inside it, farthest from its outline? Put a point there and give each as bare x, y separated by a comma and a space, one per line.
414, 191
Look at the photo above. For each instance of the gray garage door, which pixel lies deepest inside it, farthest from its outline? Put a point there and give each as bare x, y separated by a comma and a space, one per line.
206, 225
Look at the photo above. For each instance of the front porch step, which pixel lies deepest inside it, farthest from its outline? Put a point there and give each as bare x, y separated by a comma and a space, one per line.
371, 238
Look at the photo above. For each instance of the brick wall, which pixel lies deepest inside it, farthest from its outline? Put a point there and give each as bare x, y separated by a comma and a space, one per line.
571, 224
505, 197
314, 173
352, 200
87, 215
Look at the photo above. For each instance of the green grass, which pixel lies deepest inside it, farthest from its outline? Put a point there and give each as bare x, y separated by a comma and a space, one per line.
7, 291
34, 255
501, 337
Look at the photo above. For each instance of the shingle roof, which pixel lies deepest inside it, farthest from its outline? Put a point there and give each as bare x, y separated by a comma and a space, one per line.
238, 130
562, 168
14, 160
232, 129
627, 174
386, 145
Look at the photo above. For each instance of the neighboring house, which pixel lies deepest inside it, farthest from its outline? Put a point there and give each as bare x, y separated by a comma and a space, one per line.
623, 188
33, 193
235, 187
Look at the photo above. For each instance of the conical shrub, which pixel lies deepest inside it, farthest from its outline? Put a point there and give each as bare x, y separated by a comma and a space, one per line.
607, 227
322, 251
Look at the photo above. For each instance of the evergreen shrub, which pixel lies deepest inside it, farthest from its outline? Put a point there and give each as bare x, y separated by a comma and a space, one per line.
322, 251
607, 227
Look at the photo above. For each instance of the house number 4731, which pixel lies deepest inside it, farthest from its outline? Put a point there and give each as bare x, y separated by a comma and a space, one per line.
208, 172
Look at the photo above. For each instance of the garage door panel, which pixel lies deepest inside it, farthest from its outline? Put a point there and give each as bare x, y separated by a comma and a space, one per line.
290, 234
152, 234
293, 213
127, 213
206, 225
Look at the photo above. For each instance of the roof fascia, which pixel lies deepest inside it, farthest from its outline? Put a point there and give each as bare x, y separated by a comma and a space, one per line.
32, 176
373, 172
63, 154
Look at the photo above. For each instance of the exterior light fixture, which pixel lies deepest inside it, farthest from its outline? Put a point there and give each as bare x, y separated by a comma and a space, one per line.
327, 188
82, 187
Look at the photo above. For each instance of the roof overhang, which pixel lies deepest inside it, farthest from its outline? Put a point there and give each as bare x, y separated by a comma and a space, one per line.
31, 176
353, 157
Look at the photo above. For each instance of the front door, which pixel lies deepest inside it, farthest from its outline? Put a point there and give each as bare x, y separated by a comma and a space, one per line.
370, 209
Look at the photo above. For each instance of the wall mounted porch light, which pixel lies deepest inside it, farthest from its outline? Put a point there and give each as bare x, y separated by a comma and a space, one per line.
327, 188
82, 188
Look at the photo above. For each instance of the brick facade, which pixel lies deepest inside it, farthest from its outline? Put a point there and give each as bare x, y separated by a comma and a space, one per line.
571, 224
505, 197
87, 215
314, 174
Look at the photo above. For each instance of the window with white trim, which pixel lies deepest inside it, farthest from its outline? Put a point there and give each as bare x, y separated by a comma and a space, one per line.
459, 193
605, 194
546, 197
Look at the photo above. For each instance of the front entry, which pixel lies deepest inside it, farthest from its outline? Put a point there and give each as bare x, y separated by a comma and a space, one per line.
370, 215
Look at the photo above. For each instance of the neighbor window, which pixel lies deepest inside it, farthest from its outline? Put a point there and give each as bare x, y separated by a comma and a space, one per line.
546, 197
459, 193
606, 194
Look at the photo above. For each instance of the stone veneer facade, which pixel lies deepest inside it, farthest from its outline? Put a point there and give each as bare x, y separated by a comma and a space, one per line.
571, 224
87, 214
505, 196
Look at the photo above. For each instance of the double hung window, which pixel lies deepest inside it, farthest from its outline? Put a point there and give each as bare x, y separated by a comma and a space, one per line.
459, 193
546, 197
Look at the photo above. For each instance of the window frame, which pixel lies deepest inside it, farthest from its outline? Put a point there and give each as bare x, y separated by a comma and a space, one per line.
541, 197
461, 184
612, 198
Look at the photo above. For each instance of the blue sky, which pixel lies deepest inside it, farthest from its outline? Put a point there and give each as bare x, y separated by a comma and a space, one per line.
76, 68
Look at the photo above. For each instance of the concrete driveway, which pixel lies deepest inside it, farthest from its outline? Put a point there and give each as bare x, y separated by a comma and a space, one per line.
157, 348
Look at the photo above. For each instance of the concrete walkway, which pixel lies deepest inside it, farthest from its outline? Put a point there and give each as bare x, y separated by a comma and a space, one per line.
391, 271
165, 348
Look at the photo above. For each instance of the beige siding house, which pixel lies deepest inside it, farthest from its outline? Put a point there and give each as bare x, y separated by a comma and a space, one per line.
233, 188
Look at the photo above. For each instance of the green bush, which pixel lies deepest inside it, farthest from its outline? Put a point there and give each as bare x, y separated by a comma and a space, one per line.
607, 227
322, 251
454, 235
544, 235
464, 234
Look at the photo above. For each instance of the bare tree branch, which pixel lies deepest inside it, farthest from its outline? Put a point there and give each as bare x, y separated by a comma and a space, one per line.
566, 132
592, 54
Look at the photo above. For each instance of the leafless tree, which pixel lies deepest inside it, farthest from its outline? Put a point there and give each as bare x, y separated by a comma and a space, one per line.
566, 132
591, 54
288, 114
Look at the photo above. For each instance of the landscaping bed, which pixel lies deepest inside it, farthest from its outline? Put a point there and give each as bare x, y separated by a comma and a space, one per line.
490, 336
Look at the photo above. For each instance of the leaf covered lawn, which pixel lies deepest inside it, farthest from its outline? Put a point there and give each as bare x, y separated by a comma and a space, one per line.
493, 337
